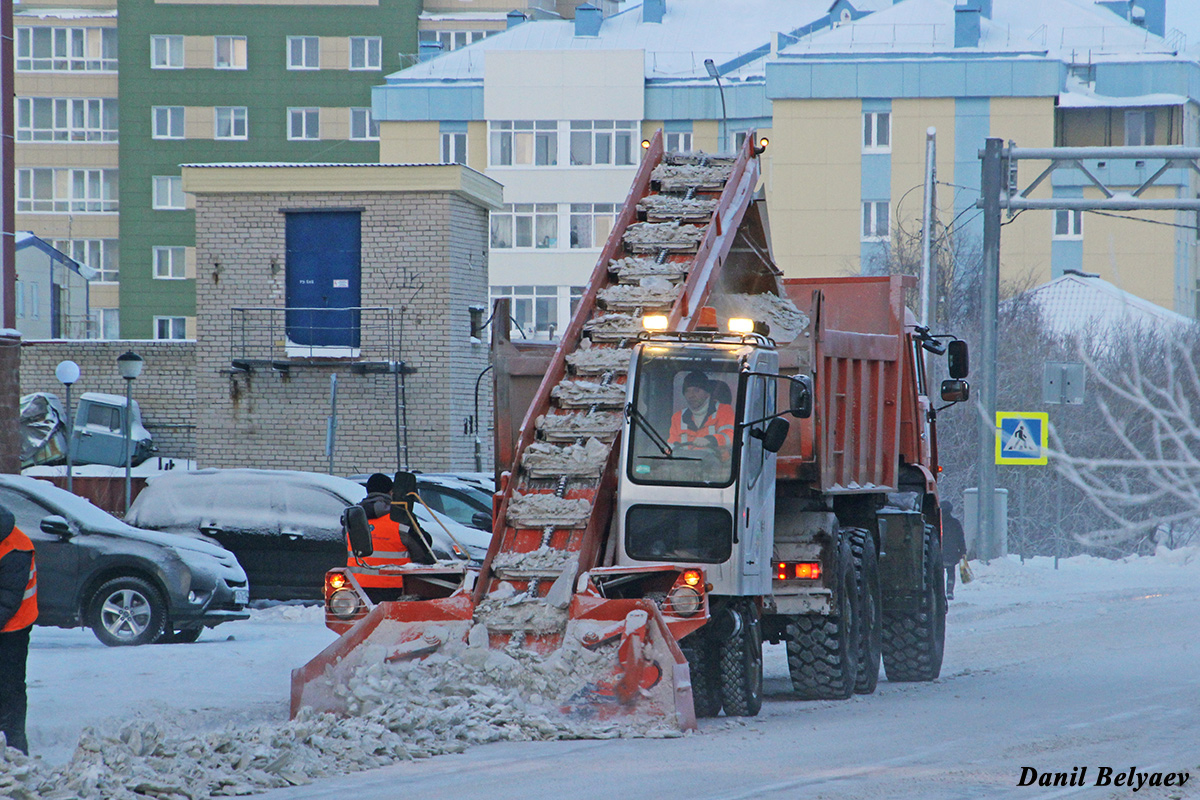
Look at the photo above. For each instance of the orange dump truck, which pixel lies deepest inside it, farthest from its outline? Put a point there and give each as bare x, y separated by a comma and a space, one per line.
712, 457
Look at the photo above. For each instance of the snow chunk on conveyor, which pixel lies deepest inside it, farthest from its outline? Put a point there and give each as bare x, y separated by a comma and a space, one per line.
569, 427
632, 269
576, 460
584, 394
547, 511
597, 360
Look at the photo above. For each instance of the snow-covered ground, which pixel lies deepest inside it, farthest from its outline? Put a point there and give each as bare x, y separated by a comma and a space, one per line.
1093, 664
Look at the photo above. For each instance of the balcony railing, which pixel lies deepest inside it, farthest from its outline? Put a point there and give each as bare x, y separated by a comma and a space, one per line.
273, 335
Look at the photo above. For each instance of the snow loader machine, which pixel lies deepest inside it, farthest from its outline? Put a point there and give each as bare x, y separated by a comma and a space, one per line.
661, 567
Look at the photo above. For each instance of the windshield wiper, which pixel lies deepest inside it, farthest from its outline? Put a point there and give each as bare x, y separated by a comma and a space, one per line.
648, 429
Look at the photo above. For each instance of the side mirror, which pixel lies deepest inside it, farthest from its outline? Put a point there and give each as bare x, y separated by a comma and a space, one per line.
775, 434
358, 531
56, 526
482, 520
958, 360
955, 391
800, 401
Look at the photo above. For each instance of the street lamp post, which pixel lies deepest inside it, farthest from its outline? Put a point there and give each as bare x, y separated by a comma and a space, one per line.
67, 373
711, 69
130, 365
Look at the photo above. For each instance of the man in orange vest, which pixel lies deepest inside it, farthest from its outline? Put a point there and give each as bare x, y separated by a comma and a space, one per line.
387, 537
18, 610
703, 423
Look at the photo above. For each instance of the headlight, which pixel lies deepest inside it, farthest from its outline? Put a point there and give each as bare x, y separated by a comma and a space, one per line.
343, 603
683, 601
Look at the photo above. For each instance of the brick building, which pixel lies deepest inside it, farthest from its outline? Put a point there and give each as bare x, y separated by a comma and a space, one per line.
405, 247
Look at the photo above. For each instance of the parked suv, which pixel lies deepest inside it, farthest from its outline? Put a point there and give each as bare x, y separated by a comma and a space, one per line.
129, 586
284, 526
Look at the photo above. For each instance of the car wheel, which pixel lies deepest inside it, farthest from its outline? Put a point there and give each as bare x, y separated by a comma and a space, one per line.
127, 611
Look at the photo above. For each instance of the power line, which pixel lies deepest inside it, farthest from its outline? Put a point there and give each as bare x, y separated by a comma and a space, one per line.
1142, 219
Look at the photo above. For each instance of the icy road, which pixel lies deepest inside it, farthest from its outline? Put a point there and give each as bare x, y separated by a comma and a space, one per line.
1094, 665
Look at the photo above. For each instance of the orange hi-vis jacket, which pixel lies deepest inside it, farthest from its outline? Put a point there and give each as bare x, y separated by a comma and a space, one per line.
718, 425
388, 547
27, 612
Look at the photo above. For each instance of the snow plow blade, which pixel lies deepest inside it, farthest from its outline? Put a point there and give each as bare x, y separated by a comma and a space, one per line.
612, 661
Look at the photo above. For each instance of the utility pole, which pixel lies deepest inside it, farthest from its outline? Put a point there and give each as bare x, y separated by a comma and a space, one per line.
928, 278
991, 186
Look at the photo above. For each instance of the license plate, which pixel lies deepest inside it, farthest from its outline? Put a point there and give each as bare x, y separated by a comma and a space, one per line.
241, 596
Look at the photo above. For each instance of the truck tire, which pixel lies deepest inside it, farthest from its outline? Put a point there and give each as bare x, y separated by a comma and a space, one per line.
870, 610
914, 642
741, 666
704, 664
823, 649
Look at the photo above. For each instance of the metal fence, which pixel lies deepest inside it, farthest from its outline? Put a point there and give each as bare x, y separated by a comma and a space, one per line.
259, 334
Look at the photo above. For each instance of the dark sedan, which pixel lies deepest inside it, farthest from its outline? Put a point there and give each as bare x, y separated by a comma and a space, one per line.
130, 586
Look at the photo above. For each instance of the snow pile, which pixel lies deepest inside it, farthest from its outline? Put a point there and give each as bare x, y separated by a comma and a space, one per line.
632, 269
651, 237
587, 393
547, 510
680, 178
612, 327
569, 427
594, 360
577, 460
651, 292
787, 322
660, 207
698, 157
402, 711
544, 559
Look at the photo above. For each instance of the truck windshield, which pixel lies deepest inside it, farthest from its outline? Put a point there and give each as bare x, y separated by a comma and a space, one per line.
683, 413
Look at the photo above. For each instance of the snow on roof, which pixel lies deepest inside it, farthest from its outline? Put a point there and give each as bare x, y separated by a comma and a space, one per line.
691, 31
1079, 96
1079, 302
272, 164
25, 239
65, 13
1067, 27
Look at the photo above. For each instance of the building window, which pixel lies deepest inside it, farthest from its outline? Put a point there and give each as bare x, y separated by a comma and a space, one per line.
1068, 224
230, 52
363, 126
166, 52
679, 142
166, 122
66, 119
73, 191
168, 193
451, 40
230, 122
169, 263
534, 308
170, 327
876, 220
104, 323
877, 132
602, 142
99, 254
35, 311
591, 224
366, 52
304, 52
454, 148
526, 225
1139, 128
523, 143
304, 123
46, 49
19, 299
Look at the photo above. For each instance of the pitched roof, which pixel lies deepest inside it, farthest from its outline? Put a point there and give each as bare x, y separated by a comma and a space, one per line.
1079, 302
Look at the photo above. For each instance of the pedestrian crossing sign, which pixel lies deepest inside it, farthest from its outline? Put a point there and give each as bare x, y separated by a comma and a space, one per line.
1022, 437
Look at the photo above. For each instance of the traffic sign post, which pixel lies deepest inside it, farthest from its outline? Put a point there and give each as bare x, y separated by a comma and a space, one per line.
1022, 438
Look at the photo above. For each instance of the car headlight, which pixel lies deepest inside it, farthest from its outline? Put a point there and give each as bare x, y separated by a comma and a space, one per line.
683, 601
343, 603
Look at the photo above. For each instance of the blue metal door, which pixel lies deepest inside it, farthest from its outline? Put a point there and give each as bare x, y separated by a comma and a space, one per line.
324, 271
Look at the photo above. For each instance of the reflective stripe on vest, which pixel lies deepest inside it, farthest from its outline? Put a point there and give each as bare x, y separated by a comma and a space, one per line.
27, 612
386, 544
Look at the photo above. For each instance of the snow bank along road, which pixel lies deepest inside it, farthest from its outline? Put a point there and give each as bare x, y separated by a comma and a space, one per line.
1094, 665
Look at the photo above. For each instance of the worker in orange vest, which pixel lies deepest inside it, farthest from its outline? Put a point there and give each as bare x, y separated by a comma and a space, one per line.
387, 536
703, 423
18, 610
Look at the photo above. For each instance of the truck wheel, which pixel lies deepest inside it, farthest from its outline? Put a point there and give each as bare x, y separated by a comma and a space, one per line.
742, 664
823, 649
870, 622
704, 664
127, 611
913, 643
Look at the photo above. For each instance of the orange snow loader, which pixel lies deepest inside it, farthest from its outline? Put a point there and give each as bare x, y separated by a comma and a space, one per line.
658, 510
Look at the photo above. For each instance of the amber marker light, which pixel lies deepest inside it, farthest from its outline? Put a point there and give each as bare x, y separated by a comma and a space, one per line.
802, 570
741, 325
645, 144
655, 322
692, 577
337, 581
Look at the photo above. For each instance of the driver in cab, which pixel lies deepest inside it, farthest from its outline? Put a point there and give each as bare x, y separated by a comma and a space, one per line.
703, 423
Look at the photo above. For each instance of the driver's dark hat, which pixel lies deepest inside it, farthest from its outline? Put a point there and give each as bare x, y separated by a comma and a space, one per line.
699, 380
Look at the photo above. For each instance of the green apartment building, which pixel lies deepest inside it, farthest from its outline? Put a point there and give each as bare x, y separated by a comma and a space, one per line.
203, 82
